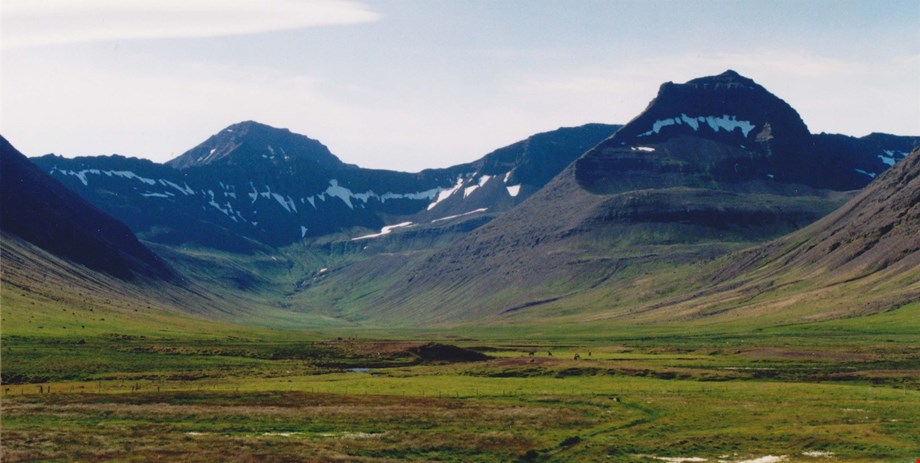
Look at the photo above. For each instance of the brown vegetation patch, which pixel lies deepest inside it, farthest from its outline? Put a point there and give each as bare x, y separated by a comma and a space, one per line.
447, 353
801, 354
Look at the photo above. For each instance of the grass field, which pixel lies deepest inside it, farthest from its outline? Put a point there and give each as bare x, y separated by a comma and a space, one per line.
166, 389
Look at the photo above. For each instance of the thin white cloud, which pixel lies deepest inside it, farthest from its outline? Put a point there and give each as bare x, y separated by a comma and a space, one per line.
46, 22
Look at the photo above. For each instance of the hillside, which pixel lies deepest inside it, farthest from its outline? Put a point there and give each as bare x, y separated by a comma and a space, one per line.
40, 210
860, 260
66, 265
877, 230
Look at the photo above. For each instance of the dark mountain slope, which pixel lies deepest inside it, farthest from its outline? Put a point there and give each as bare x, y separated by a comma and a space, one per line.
252, 185
877, 230
40, 210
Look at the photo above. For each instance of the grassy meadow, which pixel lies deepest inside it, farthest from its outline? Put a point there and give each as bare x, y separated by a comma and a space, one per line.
172, 388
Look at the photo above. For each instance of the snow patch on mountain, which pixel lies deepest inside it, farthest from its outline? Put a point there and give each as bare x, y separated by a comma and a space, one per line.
870, 174
340, 192
209, 156
80, 175
475, 211
187, 190
421, 195
513, 190
227, 208
716, 123
384, 231
470, 189
347, 196
444, 194
286, 202
891, 157
129, 175
108, 173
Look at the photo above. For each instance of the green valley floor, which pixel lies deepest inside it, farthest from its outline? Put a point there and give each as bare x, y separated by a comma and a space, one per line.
844, 390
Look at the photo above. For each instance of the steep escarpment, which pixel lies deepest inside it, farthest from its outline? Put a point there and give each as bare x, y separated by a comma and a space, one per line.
41, 211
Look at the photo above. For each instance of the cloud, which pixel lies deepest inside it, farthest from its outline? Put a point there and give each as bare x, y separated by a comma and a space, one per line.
46, 22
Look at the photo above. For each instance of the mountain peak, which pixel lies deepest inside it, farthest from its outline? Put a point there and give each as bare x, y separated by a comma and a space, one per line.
728, 77
727, 107
248, 142
244, 127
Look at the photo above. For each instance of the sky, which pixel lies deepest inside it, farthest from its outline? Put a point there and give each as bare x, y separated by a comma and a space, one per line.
408, 85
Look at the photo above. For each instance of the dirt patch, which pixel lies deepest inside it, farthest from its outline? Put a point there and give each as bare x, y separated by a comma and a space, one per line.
446, 353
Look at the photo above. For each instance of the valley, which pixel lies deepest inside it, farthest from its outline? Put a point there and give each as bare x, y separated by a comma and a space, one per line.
708, 282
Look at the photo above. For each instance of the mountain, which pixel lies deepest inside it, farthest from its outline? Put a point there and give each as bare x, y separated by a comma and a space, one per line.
711, 166
565, 222
861, 259
41, 211
250, 143
728, 130
252, 185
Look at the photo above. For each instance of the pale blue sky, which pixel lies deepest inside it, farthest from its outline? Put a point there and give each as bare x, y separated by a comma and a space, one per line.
413, 84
